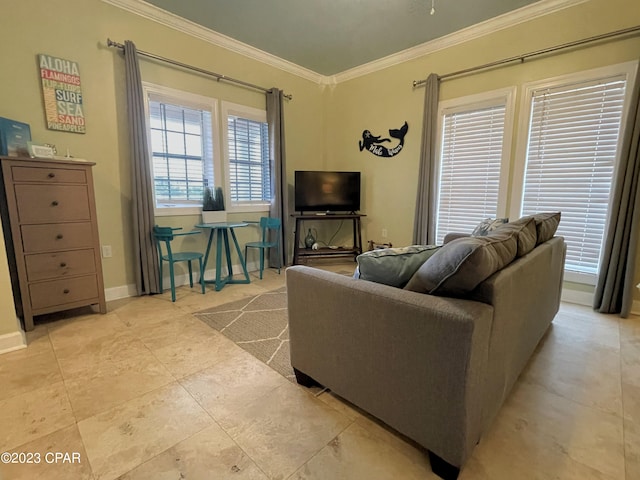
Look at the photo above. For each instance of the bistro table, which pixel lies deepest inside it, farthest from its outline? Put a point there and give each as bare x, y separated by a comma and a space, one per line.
222, 231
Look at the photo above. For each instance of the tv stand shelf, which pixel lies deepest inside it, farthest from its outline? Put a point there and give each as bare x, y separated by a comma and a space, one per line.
301, 253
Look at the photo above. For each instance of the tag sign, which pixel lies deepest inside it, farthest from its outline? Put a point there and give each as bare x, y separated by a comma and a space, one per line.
374, 144
62, 94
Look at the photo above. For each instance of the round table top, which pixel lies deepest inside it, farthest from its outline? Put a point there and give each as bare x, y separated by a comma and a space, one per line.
222, 225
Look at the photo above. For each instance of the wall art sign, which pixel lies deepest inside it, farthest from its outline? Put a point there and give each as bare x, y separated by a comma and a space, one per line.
62, 94
373, 143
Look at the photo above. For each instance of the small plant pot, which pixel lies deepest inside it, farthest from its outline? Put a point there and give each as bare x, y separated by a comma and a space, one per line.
214, 216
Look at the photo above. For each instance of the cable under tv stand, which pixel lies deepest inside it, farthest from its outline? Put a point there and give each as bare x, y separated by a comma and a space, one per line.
300, 253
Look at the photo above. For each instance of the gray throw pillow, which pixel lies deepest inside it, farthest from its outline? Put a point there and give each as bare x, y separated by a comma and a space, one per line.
461, 265
525, 231
546, 225
393, 266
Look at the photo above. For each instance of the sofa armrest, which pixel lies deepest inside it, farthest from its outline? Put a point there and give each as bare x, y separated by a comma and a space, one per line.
453, 236
415, 361
526, 297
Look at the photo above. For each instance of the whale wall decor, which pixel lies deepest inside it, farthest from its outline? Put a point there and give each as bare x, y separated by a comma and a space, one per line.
373, 143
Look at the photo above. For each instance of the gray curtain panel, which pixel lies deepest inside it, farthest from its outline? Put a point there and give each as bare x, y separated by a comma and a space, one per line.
424, 221
279, 206
142, 205
614, 291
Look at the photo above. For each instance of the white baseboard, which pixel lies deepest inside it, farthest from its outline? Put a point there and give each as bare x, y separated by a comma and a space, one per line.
125, 291
586, 299
575, 296
12, 341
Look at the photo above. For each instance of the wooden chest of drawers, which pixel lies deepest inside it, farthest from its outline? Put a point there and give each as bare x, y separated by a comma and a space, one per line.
49, 222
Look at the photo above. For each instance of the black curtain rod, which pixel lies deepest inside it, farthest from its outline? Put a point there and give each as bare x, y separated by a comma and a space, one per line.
521, 58
217, 76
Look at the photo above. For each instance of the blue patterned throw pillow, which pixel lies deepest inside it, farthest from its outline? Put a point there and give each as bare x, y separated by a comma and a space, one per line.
487, 225
393, 266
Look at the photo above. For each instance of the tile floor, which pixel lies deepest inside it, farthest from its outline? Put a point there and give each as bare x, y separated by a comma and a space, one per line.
147, 391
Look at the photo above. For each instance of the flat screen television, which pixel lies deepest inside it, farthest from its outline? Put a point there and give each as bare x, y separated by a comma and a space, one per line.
317, 191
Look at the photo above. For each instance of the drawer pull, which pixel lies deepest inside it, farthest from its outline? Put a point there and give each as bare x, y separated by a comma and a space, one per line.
59, 236
54, 203
66, 290
63, 264
51, 175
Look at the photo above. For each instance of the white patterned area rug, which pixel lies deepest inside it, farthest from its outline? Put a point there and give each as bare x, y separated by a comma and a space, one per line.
259, 325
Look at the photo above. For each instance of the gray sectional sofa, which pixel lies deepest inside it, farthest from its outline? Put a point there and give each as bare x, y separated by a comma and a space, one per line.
434, 366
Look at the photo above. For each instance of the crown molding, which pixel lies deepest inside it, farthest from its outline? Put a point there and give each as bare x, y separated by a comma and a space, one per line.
501, 22
156, 14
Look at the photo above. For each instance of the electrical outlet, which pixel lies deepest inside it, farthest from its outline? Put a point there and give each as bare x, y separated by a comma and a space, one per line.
106, 251
384, 233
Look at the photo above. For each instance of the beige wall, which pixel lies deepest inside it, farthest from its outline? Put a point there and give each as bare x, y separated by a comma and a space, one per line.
385, 99
8, 321
323, 125
77, 30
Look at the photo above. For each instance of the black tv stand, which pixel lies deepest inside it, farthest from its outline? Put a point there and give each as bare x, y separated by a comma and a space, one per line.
302, 253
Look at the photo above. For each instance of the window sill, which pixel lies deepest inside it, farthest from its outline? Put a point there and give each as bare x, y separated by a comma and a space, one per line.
579, 277
192, 210
263, 207
177, 211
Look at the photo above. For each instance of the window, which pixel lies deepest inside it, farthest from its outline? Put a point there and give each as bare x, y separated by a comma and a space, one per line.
571, 152
183, 140
182, 148
177, 144
474, 143
247, 157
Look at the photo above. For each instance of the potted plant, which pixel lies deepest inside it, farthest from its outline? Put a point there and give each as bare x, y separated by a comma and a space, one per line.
213, 206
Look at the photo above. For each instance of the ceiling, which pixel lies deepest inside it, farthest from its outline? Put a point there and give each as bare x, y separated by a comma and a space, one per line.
332, 36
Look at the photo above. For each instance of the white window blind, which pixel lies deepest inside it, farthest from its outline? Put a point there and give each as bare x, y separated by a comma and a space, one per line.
572, 147
182, 153
249, 170
472, 146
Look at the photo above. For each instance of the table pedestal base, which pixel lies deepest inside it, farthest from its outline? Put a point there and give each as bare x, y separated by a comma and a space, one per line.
223, 238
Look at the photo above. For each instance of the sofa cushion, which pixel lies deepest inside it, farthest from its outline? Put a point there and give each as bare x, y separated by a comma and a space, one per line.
546, 225
393, 266
525, 231
487, 225
459, 266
